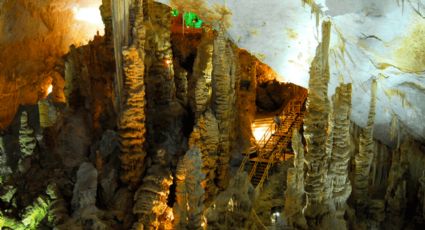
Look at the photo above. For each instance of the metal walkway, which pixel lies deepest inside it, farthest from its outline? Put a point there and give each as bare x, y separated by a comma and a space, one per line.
274, 145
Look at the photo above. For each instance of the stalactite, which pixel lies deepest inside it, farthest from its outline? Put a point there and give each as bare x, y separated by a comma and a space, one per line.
189, 192
151, 197
363, 160
316, 126
224, 101
120, 25
338, 169
132, 120
293, 212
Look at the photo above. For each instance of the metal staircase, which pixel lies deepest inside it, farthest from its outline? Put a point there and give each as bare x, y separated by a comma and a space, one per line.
274, 146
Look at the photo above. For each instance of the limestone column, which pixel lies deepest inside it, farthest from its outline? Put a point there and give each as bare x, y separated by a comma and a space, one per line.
315, 130
363, 159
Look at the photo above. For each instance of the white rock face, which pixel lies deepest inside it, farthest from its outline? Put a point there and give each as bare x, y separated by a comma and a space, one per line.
371, 39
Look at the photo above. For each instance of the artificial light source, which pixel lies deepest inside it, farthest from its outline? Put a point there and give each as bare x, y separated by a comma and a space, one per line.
49, 89
88, 14
168, 62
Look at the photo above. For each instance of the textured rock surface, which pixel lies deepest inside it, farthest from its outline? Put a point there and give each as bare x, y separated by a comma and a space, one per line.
364, 158
315, 130
396, 196
200, 84
85, 188
189, 206
27, 141
224, 80
293, 212
205, 136
132, 120
341, 154
151, 197
232, 208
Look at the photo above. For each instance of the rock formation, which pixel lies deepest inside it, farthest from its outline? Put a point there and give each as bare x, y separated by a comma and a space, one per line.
294, 205
27, 141
205, 137
151, 197
200, 85
132, 120
396, 195
341, 154
233, 207
315, 131
188, 209
85, 190
363, 160
5, 169
224, 81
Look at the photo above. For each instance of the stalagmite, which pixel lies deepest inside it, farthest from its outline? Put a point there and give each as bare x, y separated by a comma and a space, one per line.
200, 84
224, 101
132, 120
232, 209
180, 80
151, 197
27, 141
205, 137
159, 81
420, 213
315, 131
293, 212
338, 169
5, 170
58, 213
363, 160
31, 218
47, 112
85, 189
189, 192
396, 195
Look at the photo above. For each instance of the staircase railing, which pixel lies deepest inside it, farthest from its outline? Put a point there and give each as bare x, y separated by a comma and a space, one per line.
293, 107
297, 107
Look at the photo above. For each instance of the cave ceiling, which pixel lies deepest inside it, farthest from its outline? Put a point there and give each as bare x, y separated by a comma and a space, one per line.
371, 39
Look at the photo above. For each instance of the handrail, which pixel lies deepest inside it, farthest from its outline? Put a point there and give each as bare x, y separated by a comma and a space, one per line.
294, 107
273, 156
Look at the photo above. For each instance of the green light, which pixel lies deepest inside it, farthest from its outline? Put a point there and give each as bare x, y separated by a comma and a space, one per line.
192, 20
174, 12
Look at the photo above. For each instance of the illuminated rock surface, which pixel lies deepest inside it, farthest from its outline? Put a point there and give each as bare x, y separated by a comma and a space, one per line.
156, 122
